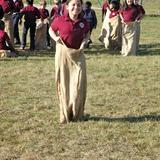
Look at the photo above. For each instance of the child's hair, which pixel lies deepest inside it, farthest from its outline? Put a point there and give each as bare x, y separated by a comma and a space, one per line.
43, 2
67, 2
29, 1
2, 25
115, 4
88, 4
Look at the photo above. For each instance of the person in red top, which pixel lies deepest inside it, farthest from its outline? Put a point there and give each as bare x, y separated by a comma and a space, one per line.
8, 8
6, 47
16, 17
71, 33
31, 14
129, 15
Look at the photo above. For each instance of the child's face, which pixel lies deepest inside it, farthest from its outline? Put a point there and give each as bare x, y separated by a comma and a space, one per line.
130, 2
74, 7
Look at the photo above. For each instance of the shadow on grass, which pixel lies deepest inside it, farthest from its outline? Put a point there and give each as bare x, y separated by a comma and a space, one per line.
131, 119
149, 49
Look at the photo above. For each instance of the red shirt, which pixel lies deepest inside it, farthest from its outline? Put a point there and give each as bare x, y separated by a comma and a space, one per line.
43, 13
31, 13
7, 5
18, 5
3, 39
130, 14
71, 32
104, 7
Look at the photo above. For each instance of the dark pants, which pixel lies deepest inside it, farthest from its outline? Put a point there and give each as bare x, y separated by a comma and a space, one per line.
32, 27
16, 18
48, 36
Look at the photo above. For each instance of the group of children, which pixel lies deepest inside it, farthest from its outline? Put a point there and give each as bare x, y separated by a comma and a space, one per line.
121, 26
120, 29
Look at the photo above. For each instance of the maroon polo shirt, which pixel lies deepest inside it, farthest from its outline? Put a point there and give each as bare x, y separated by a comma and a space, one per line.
71, 32
30, 13
130, 14
44, 13
7, 5
3, 39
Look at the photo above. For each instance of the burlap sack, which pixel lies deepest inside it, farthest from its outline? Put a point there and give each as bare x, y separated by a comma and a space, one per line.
8, 20
129, 39
71, 82
41, 35
113, 39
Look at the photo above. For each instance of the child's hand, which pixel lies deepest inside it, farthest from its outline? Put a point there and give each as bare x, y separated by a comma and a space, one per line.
58, 39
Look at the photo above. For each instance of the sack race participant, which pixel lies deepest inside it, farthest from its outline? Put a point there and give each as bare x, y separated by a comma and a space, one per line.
41, 27
112, 29
71, 33
129, 15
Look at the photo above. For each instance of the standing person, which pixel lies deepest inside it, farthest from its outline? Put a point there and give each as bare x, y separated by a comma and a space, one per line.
8, 8
139, 18
111, 29
16, 17
90, 16
31, 14
129, 14
70, 63
42, 27
6, 47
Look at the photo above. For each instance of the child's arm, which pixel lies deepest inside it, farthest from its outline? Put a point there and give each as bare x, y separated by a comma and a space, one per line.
54, 36
85, 40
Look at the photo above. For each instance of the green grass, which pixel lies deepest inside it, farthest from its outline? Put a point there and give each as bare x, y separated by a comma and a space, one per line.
123, 99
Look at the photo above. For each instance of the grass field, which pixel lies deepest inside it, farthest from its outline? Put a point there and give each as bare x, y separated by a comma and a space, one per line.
123, 100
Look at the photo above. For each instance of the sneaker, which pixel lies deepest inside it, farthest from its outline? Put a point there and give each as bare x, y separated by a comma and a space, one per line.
22, 48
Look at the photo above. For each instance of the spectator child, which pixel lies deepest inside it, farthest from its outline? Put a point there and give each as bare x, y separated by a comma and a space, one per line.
90, 16
6, 47
8, 8
16, 17
31, 14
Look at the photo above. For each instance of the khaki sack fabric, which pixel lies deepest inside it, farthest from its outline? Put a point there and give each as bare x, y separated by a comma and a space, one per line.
8, 20
129, 44
114, 36
71, 82
41, 35
111, 33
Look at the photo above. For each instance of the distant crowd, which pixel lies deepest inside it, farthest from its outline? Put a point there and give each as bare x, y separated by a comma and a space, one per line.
120, 30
